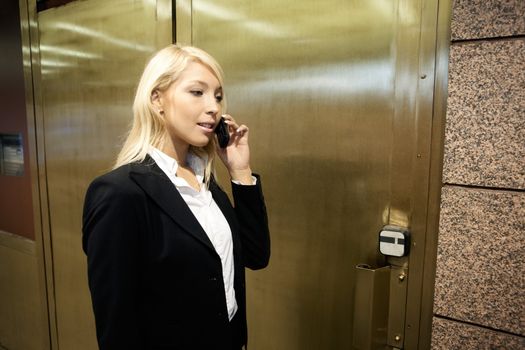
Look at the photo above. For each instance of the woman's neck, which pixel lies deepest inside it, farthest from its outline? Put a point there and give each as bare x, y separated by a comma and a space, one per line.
177, 152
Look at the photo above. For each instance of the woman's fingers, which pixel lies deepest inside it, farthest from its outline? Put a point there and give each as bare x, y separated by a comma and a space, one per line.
230, 121
237, 129
241, 130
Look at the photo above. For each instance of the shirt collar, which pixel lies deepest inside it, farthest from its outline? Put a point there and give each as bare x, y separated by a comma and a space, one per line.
169, 165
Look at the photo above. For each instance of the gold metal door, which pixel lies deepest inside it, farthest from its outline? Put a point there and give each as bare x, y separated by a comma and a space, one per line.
339, 98
92, 53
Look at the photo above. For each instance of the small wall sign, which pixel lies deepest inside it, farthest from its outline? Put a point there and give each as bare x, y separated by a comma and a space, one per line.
11, 155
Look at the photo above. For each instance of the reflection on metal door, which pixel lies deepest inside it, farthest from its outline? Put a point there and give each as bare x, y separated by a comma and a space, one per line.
92, 54
338, 95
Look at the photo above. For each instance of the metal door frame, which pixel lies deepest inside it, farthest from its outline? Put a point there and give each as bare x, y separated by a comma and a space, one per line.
31, 57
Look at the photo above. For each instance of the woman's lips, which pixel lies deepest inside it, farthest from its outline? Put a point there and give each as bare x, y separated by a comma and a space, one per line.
206, 126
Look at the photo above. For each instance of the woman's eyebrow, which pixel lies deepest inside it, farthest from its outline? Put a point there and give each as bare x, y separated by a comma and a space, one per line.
200, 82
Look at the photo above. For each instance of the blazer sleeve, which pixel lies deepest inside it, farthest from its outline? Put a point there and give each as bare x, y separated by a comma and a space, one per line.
111, 241
251, 213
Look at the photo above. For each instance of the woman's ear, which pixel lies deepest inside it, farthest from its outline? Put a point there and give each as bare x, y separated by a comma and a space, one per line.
156, 100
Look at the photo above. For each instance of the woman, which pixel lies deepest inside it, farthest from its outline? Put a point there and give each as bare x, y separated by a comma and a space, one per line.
166, 250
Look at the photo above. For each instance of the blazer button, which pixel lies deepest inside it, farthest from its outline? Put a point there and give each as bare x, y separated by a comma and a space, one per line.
213, 279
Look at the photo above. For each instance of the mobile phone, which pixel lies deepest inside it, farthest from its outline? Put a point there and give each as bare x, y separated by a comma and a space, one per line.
223, 135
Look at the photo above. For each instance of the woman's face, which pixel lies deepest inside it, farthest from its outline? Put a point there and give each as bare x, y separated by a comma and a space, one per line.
192, 106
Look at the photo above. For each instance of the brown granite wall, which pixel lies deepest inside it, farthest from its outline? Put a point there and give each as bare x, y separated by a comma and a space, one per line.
480, 277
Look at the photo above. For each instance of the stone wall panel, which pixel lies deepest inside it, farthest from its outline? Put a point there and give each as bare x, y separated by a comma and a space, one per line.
469, 337
485, 131
480, 276
474, 19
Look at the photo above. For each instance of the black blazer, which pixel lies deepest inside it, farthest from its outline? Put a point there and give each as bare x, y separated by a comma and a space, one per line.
154, 276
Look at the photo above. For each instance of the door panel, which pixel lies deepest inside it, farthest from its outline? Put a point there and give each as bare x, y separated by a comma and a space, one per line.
330, 92
92, 54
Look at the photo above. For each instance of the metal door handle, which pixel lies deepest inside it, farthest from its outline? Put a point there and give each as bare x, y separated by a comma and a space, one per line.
379, 307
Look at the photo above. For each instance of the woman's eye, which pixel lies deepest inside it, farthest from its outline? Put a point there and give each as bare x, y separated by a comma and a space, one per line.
218, 98
196, 92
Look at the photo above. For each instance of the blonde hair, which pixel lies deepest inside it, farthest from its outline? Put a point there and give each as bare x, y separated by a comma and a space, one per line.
148, 128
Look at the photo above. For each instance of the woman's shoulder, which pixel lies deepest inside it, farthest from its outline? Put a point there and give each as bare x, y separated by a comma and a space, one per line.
114, 182
116, 176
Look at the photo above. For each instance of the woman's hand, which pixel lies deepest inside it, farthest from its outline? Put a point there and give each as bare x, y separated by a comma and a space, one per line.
236, 156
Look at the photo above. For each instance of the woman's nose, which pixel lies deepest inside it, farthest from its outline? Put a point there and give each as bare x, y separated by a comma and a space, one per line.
213, 106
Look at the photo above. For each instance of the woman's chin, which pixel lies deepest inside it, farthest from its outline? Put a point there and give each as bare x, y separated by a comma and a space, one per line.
201, 142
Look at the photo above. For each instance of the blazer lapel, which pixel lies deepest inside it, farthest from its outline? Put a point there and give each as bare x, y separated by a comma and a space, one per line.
162, 191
